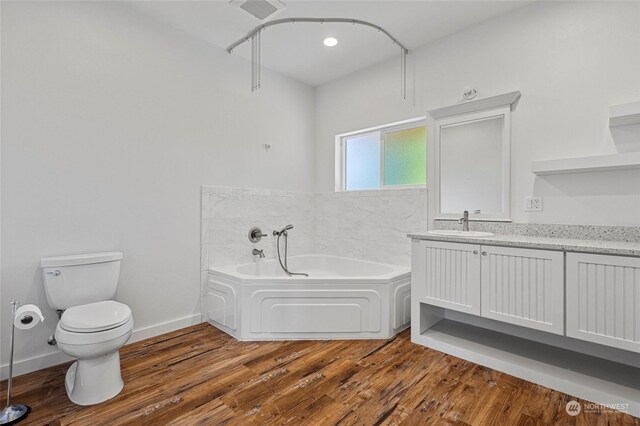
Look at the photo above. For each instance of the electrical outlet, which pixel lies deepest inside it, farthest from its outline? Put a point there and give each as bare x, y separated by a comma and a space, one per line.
533, 204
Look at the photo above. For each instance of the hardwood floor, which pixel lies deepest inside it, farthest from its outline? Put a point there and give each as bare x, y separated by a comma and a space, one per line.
199, 375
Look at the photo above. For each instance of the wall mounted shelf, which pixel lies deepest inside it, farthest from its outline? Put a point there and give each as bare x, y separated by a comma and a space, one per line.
624, 115
598, 163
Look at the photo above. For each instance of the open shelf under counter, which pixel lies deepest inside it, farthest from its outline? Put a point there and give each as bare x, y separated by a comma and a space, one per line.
587, 377
596, 163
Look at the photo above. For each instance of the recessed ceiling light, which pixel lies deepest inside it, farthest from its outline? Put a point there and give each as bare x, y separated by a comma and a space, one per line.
330, 41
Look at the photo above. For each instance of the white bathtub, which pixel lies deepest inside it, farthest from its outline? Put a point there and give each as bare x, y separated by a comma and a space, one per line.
341, 299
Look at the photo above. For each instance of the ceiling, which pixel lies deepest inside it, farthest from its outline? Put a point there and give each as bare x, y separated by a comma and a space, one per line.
296, 50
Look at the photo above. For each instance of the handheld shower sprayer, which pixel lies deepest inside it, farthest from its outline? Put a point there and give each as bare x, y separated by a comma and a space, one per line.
285, 267
283, 231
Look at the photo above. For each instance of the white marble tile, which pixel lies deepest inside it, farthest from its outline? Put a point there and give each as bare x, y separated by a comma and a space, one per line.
231, 213
369, 225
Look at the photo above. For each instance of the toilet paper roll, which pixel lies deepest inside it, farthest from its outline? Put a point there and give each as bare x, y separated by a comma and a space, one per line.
27, 316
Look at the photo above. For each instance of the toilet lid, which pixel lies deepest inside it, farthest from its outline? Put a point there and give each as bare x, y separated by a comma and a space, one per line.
93, 317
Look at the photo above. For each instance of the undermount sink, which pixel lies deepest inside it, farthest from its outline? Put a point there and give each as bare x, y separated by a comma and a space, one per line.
457, 233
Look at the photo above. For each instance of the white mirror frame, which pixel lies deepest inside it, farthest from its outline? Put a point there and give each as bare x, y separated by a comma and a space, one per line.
505, 113
461, 112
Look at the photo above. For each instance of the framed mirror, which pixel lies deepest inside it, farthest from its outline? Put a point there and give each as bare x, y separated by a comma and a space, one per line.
472, 167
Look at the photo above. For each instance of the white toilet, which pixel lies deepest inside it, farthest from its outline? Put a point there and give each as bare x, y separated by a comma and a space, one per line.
92, 327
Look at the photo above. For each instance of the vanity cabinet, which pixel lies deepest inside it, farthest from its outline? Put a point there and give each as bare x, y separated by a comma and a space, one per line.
538, 309
523, 287
603, 299
519, 286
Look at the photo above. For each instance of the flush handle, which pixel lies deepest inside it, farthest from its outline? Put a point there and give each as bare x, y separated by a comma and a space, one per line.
54, 273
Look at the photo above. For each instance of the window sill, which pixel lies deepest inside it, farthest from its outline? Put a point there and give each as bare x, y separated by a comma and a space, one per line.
409, 189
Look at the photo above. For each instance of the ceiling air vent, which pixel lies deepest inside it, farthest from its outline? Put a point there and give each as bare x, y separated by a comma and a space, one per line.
260, 9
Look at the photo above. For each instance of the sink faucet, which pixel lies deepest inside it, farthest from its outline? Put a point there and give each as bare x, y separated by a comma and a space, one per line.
464, 221
257, 252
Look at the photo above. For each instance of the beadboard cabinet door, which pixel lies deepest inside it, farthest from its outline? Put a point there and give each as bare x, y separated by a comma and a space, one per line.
523, 287
603, 299
450, 277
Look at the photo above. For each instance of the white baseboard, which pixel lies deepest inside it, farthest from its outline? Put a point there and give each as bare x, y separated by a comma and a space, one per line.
39, 362
36, 363
164, 327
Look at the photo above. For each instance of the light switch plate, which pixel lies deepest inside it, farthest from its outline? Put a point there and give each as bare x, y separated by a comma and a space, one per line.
533, 204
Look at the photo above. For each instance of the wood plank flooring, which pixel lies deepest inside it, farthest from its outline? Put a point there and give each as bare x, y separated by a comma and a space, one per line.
201, 376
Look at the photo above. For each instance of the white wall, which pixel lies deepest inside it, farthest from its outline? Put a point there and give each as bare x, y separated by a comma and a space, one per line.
570, 60
110, 124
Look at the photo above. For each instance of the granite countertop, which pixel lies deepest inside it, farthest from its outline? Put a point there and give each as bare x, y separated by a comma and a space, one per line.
545, 243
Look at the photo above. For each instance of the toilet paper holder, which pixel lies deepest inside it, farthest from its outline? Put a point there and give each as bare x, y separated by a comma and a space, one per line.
13, 413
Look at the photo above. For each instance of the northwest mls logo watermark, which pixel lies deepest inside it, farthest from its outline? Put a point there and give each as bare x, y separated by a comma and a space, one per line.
574, 408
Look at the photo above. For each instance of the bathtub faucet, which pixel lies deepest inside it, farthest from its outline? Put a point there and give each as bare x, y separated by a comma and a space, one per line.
257, 252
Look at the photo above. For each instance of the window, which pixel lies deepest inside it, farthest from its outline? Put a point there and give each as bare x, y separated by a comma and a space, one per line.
391, 156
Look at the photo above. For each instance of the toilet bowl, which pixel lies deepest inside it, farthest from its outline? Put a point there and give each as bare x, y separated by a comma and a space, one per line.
94, 333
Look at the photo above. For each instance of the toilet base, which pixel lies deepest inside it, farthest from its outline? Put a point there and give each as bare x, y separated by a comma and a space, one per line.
95, 380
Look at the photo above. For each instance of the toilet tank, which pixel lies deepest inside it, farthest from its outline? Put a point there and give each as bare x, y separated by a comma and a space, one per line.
80, 279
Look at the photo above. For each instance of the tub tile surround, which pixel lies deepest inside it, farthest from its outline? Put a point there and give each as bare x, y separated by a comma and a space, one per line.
369, 225
229, 213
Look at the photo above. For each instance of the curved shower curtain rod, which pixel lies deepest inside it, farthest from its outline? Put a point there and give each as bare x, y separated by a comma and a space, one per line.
254, 37
314, 20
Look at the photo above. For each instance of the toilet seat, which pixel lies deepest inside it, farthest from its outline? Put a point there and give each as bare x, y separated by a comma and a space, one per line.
94, 323
73, 338
95, 317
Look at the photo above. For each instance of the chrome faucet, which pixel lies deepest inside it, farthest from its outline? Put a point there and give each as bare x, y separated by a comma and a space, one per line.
464, 221
257, 252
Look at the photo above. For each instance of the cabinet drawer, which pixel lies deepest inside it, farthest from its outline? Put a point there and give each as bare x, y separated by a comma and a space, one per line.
451, 276
523, 287
603, 299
